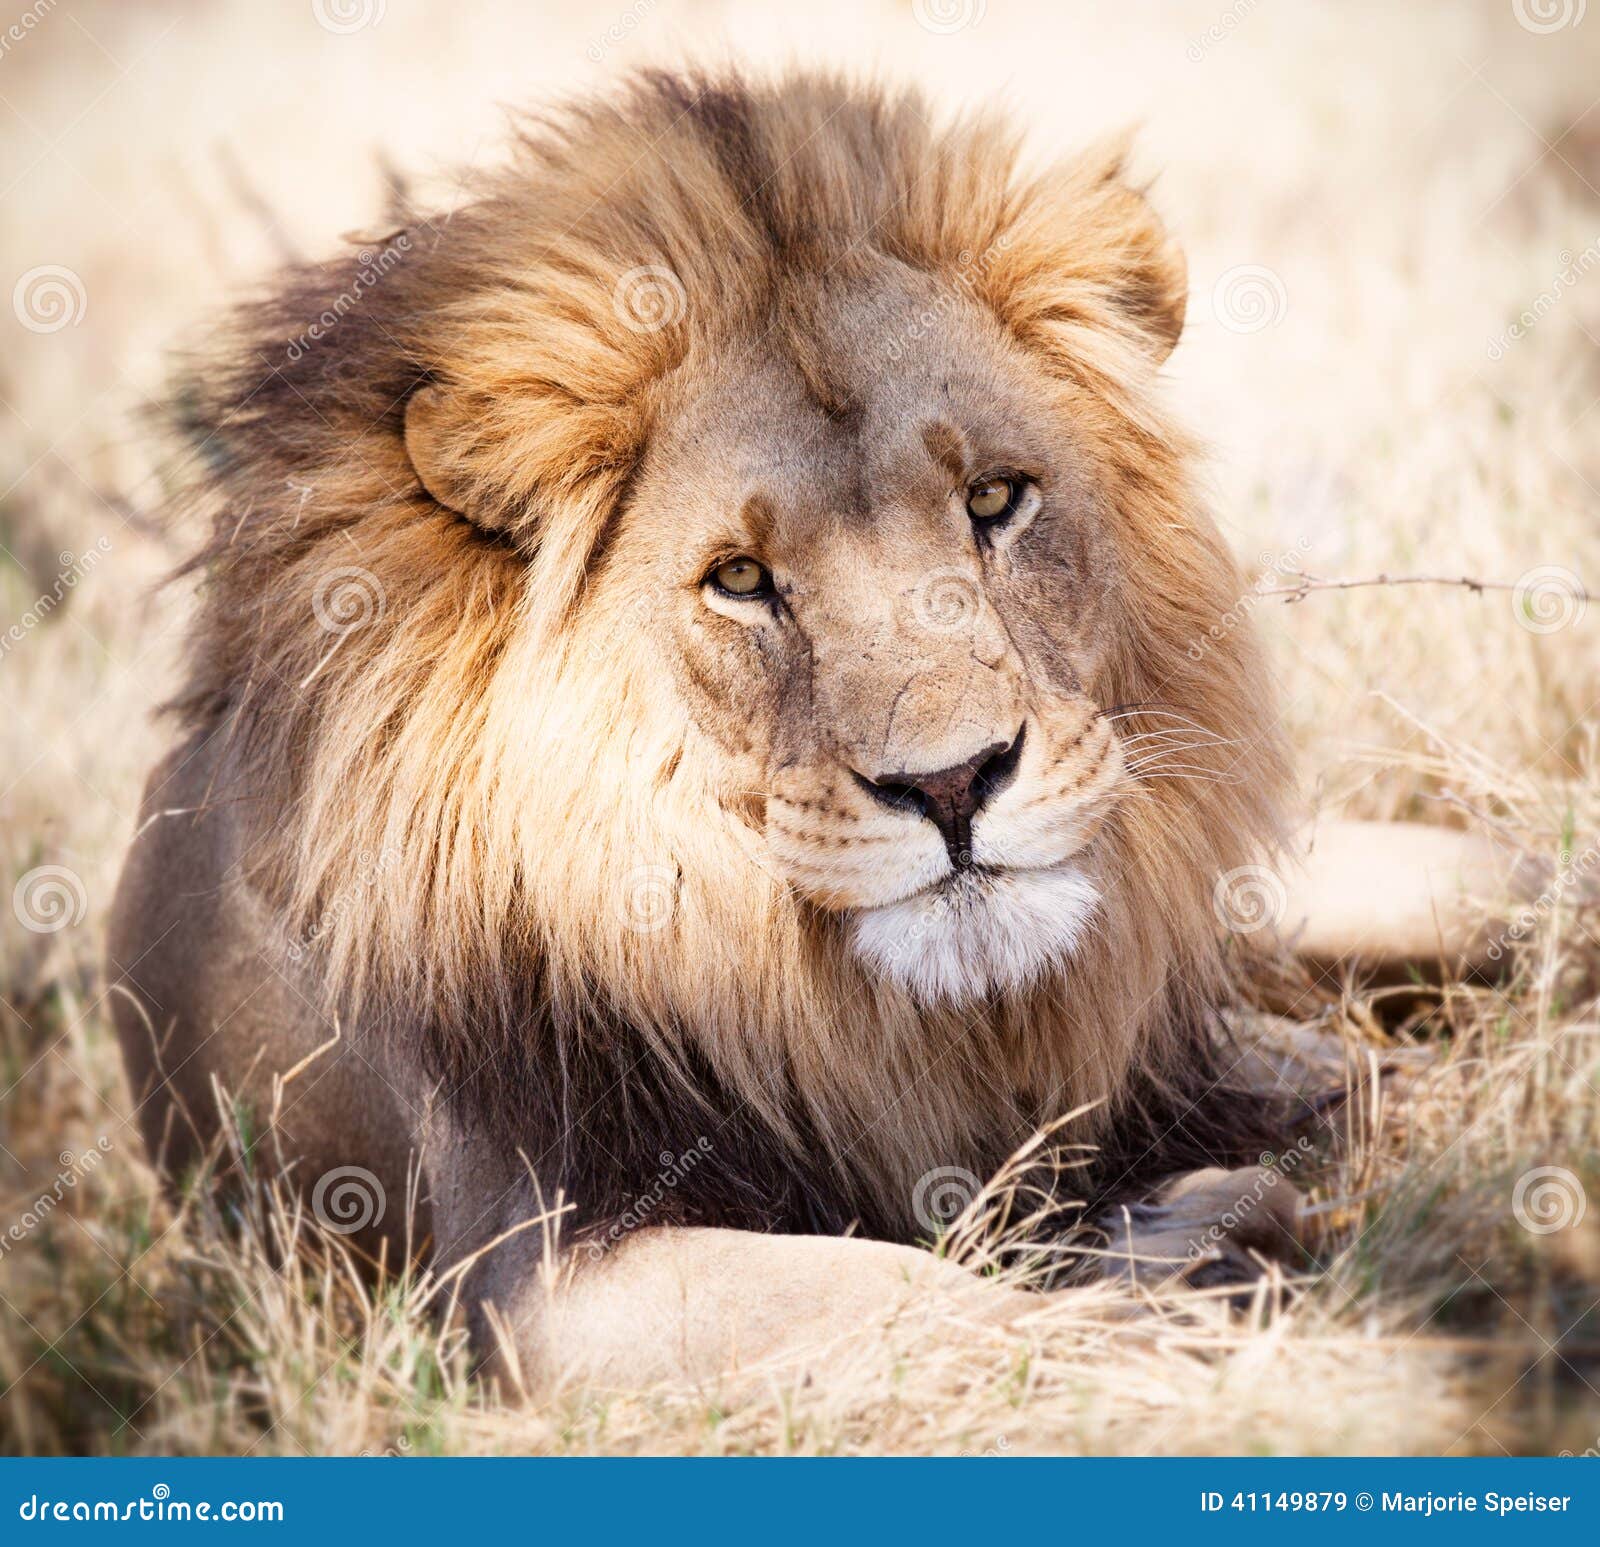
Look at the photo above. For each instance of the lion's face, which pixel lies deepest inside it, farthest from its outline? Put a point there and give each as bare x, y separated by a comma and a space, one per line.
875, 568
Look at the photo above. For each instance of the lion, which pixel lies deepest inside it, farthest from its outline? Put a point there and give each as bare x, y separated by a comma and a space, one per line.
703, 723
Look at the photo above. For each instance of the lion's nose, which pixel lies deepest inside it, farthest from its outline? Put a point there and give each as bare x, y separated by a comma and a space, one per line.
951, 797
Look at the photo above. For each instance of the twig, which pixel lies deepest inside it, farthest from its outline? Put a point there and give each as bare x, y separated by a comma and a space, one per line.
1308, 583
253, 200
396, 189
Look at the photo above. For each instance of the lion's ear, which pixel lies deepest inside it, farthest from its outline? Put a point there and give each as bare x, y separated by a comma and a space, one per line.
437, 441
1147, 275
1157, 297
429, 437
1085, 248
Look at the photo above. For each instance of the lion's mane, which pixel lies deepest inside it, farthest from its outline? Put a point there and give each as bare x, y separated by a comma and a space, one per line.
470, 786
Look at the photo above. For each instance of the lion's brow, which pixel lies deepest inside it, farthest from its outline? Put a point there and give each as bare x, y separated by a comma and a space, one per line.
948, 448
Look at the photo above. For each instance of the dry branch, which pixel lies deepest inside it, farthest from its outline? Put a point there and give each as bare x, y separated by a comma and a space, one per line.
1306, 584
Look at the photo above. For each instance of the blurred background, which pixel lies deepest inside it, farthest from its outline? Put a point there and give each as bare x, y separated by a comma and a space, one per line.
1392, 217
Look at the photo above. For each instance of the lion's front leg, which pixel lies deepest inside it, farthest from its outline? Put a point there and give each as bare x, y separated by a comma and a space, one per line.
548, 1306
1207, 1228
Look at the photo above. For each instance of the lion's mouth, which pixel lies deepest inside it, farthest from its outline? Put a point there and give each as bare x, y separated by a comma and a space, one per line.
977, 931
969, 882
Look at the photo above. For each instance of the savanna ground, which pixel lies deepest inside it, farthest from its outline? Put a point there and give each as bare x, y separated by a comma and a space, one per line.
1393, 222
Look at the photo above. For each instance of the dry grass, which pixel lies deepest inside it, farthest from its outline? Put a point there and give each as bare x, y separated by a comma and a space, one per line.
1413, 180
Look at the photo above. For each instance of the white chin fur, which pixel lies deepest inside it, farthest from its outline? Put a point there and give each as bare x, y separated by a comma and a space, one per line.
977, 934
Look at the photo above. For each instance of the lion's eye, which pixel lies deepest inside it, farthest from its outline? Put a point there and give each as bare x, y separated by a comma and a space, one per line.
991, 499
742, 577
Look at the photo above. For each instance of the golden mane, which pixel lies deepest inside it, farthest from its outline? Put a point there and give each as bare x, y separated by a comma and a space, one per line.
462, 777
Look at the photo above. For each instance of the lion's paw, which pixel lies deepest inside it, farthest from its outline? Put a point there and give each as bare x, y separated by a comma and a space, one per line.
1207, 1229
